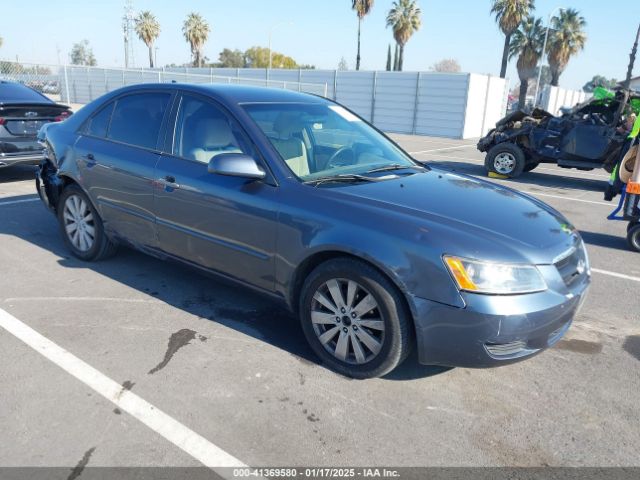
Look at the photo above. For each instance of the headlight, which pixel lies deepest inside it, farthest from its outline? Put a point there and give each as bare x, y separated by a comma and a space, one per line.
495, 278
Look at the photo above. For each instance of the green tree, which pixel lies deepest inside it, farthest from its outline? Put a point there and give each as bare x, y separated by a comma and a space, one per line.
389, 59
405, 19
509, 14
232, 58
196, 32
362, 8
258, 57
148, 30
599, 81
82, 54
395, 59
526, 44
566, 40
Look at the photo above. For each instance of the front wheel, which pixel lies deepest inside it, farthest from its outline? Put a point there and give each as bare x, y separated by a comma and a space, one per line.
505, 159
355, 319
633, 236
82, 227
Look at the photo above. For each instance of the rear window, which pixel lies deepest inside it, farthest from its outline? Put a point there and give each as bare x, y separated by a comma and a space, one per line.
11, 92
137, 118
99, 123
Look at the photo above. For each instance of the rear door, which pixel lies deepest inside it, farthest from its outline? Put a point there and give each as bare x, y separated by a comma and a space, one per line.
117, 154
222, 223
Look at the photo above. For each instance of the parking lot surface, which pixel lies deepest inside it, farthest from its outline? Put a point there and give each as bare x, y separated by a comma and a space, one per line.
232, 374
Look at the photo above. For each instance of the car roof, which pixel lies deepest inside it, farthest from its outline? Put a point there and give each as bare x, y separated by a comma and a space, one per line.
14, 92
233, 94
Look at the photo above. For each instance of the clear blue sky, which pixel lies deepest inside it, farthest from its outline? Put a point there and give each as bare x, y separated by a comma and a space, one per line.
322, 32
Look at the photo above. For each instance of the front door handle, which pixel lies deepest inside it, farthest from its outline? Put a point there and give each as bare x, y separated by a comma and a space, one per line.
170, 179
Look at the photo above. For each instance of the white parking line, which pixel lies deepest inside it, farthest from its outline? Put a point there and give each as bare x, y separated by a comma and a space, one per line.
441, 149
181, 436
617, 275
13, 202
562, 197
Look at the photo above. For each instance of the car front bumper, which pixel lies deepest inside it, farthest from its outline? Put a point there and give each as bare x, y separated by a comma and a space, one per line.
494, 330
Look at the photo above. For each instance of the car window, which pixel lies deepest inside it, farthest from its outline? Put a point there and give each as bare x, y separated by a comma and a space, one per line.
98, 124
136, 119
203, 131
11, 92
316, 140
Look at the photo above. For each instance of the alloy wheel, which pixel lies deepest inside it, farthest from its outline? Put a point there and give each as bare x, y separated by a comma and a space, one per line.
79, 223
504, 163
347, 321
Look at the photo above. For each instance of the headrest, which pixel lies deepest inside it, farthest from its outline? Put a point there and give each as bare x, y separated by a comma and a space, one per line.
214, 132
286, 124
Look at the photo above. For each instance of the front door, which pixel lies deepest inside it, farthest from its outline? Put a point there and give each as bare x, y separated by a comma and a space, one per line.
225, 224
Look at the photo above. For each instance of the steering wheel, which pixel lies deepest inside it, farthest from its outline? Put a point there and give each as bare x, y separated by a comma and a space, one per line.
333, 160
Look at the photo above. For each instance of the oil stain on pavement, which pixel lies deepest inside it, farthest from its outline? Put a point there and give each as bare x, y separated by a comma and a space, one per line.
79, 468
178, 340
580, 346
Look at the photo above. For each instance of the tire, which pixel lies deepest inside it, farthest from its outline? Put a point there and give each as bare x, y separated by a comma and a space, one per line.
87, 241
505, 159
633, 237
530, 166
388, 323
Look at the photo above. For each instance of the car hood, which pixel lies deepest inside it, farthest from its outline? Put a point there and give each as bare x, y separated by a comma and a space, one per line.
483, 210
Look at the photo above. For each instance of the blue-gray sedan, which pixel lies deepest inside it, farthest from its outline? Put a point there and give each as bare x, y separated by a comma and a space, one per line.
299, 198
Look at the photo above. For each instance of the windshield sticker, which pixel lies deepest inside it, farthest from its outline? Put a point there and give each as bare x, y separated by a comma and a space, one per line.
344, 113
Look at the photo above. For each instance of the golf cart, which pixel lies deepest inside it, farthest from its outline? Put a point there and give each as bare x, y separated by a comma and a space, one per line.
588, 136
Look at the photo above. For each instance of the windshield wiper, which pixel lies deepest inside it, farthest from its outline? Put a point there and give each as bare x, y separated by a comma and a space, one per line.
394, 166
343, 177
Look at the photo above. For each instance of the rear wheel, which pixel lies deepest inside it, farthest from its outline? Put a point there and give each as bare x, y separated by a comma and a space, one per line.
355, 319
82, 227
505, 159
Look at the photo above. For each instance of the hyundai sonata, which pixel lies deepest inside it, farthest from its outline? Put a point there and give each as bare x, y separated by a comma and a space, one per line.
297, 197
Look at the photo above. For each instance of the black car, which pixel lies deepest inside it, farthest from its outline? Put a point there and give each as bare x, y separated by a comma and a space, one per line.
22, 112
590, 135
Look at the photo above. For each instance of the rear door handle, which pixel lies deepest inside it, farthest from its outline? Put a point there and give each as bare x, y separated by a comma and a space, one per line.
91, 160
90, 156
170, 179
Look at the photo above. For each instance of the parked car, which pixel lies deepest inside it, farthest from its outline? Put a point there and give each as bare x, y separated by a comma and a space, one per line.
585, 137
22, 112
297, 197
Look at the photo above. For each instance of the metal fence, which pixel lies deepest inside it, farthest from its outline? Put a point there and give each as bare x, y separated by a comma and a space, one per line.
459, 105
553, 99
80, 85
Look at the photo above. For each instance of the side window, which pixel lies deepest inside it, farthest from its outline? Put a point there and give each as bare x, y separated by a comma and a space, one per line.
99, 123
204, 131
137, 118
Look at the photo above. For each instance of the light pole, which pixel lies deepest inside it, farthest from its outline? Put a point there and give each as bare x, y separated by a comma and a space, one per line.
544, 50
271, 32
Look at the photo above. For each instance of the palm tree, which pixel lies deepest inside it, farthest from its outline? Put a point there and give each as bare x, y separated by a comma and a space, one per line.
404, 19
148, 30
196, 31
526, 43
362, 8
567, 39
509, 15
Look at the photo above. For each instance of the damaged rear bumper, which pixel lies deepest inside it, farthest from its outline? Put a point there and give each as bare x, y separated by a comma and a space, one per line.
48, 185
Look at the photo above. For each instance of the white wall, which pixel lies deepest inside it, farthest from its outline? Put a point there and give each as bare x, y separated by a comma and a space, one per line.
554, 98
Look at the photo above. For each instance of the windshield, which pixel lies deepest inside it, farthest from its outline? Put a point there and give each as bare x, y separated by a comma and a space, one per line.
318, 141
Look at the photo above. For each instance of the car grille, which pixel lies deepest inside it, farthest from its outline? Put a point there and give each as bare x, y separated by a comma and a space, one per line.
572, 265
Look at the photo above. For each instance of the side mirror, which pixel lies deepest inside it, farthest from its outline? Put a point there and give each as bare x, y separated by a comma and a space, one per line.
236, 165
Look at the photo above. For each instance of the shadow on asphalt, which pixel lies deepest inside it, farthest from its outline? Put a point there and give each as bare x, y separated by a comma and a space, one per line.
618, 242
17, 173
552, 180
187, 289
